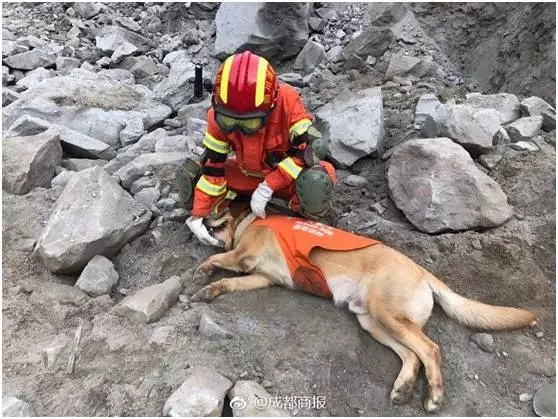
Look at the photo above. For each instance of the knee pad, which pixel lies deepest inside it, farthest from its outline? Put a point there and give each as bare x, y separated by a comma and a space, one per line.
314, 189
187, 176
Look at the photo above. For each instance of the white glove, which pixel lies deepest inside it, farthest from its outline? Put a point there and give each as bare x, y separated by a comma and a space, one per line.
196, 226
260, 198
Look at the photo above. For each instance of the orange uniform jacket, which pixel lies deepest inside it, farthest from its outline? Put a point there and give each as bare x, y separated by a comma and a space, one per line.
288, 118
297, 237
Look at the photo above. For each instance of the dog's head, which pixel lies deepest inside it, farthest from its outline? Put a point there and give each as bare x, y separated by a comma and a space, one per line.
224, 226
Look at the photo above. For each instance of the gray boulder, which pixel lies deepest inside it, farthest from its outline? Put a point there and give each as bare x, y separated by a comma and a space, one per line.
29, 162
14, 407
93, 216
273, 30
37, 57
175, 143
177, 88
534, 106
201, 394
352, 125
404, 65
85, 102
162, 164
465, 124
310, 57
112, 37
426, 106
77, 165
98, 277
73, 142
87, 10
9, 96
439, 188
506, 104
371, 42
34, 77
524, 128
151, 303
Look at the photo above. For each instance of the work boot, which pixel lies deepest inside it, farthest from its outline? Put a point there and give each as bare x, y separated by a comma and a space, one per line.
187, 177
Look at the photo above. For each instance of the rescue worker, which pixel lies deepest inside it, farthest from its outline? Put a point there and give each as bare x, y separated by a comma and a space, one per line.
267, 127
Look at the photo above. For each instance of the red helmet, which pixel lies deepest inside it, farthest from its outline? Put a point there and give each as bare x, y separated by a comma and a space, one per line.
245, 84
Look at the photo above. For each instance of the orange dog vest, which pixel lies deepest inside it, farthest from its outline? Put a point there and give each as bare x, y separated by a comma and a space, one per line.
297, 237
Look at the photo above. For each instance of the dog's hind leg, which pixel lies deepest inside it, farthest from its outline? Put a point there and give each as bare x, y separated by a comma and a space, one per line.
405, 382
410, 334
238, 283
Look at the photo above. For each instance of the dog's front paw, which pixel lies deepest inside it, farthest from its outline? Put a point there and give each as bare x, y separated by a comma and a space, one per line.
202, 273
206, 294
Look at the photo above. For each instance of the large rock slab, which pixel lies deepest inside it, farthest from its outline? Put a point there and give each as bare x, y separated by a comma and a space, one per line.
94, 105
29, 161
93, 216
439, 188
506, 104
371, 42
113, 37
38, 57
151, 303
163, 164
244, 397
469, 126
352, 125
73, 142
405, 65
201, 394
273, 30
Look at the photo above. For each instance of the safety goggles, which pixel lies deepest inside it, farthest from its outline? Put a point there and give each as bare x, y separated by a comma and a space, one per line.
246, 123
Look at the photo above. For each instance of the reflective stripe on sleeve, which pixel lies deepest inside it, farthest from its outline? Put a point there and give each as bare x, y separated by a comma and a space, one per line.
289, 166
300, 127
210, 188
216, 145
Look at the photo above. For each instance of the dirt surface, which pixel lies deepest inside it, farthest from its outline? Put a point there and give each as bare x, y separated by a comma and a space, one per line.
301, 344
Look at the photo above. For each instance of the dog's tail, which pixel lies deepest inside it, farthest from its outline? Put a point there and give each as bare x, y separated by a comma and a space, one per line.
478, 315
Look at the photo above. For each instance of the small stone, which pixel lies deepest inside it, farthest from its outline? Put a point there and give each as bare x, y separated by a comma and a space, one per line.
371, 61
355, 180
390, 85
524, 146
539, 335
525, 397
476, 244
209, 328
406, 89
490, 161
378, 208
164, 335
484, 341
505, 354
184, 299
173, 122
266, 384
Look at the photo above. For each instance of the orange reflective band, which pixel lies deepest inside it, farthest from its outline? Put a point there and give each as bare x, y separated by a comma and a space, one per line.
260, 81
224, 91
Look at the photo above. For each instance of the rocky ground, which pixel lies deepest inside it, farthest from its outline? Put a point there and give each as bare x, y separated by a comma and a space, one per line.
90, 85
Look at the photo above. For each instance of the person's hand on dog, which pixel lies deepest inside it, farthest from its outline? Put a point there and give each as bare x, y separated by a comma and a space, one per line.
260, 198
200, 231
